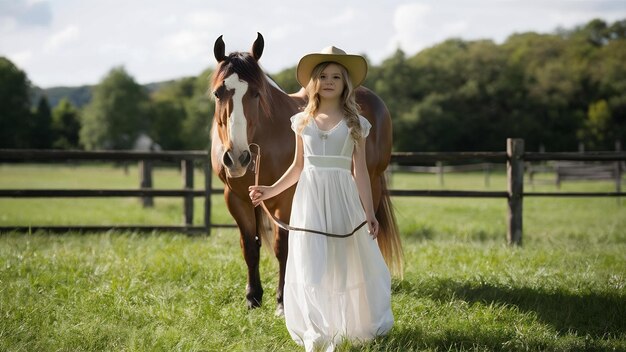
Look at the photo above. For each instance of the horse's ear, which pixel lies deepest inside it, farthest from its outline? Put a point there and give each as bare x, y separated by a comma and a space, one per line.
219, 49
257, 47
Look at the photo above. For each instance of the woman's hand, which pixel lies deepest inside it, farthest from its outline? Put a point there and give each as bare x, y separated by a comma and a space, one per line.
372, 226
259, 194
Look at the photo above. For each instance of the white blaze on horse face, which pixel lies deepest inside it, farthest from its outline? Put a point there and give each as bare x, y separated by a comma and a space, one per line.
237, 131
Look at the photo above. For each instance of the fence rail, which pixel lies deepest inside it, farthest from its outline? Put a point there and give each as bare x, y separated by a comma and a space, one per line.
515, 157
576, 156
433, 157
91, 193
187, 193
60, 155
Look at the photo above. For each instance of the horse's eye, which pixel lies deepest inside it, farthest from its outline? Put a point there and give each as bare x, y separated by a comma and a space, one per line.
216, 94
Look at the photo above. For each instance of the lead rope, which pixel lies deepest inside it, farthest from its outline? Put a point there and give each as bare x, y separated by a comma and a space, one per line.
277, 221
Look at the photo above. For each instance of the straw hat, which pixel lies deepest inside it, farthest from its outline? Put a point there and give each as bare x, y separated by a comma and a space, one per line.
355, 64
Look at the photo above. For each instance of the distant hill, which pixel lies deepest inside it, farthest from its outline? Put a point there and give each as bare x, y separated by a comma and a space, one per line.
78, 96
81, 95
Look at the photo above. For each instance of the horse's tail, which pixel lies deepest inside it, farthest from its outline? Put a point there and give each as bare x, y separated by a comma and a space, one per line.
388, 234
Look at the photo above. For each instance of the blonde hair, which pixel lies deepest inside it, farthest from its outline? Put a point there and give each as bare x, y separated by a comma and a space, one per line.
348, 100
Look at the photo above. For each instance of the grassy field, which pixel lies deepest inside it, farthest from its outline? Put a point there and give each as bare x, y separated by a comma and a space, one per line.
463, 288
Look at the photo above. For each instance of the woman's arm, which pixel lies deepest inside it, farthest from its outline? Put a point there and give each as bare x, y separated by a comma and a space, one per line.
288, 179
362, 179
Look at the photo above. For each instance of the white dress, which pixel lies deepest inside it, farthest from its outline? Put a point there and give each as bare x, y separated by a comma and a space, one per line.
335, 288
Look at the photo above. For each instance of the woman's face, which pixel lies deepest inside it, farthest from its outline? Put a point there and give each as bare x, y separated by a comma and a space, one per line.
331, 82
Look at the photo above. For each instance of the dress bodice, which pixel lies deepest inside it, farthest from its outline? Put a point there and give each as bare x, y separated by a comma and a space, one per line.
335, 142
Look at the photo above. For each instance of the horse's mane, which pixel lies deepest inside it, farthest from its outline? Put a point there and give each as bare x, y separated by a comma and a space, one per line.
274, 84
249, 70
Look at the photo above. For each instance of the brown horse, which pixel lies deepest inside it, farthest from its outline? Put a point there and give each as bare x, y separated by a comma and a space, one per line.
250, 108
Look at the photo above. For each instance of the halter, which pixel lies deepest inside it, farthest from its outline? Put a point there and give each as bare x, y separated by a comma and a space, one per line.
257, 170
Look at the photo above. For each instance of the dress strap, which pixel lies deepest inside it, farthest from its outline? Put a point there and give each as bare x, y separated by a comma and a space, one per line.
348, 146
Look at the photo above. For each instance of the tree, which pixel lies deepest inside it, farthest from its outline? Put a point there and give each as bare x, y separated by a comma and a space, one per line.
40, 125
168, 112
286, 79
596, 125
610, 74
66, 125
548, 91
199, 111
617, 30
14, 106
117, 114
181, 112
166, 119
596, 31
394, 82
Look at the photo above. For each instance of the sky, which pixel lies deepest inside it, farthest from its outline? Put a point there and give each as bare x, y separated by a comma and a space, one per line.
77, 42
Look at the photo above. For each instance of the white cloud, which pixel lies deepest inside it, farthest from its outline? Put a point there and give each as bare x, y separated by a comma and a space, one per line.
22, 58
284, 31
185, 45
347, 16
62, 38
409, 22
194, 36
454, 29
7, 24
76, 42
206, 19
111, 48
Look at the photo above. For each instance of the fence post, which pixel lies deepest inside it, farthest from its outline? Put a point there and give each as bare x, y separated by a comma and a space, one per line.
187, 166
515, 177
618, 172
440, 172
487, 172
145, 181
207, 195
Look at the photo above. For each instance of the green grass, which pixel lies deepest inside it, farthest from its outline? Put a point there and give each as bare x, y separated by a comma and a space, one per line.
463, 288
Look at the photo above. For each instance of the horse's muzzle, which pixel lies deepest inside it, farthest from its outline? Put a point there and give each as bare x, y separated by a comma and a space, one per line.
245, 158
236, 165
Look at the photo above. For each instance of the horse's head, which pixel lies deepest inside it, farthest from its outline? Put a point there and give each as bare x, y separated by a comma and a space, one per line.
241, 95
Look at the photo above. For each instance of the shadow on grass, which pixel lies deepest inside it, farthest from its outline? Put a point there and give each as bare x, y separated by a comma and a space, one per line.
416, 339
598, 315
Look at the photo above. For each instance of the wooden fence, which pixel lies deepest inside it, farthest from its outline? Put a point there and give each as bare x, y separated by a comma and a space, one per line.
515, 157
440, 170
187, 193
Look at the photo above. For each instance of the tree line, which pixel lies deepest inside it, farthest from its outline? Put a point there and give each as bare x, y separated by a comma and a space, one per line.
554, 90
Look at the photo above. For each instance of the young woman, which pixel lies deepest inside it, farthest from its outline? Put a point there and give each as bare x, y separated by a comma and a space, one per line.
335, 287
